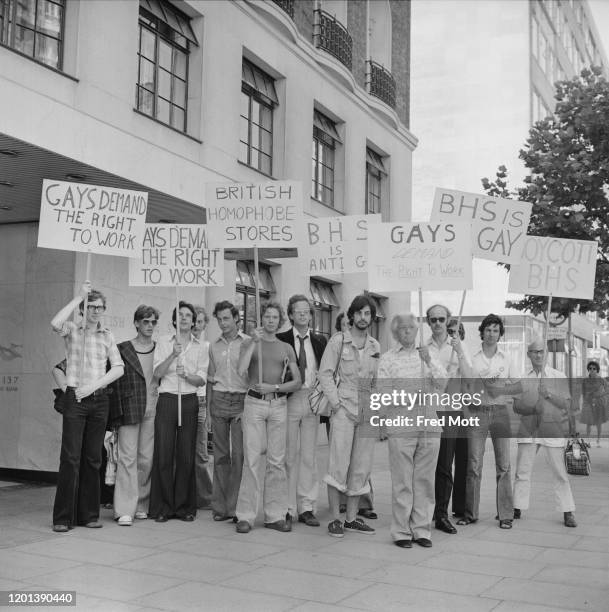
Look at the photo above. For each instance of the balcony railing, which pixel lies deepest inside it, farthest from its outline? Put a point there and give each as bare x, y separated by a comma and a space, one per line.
287, 6
381, 83
331, 36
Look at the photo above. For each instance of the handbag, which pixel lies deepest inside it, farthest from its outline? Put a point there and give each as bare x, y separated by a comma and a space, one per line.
318, 402
577, 458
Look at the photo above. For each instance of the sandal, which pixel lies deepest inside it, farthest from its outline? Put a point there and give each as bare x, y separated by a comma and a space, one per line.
466, 521
505, 524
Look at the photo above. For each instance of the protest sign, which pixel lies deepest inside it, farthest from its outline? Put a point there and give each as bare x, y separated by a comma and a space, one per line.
335, 245
499, 225
407, 256
254, 214
560, 267
89, 218
176, 255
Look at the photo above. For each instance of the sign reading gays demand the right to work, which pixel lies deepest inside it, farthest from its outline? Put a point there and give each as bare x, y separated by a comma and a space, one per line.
499, 225
102, 220
177, 256
254, 214
411, 256
560, 267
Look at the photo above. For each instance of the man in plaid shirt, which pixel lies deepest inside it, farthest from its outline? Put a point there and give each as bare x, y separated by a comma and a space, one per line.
85, 411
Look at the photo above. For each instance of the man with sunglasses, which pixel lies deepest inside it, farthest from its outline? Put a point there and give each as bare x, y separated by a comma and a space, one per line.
133, 404
86, 409
544, 408
452, 354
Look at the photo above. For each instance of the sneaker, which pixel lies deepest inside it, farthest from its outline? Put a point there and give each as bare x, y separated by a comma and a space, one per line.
335, 529
125, 521
140, 515
359, 526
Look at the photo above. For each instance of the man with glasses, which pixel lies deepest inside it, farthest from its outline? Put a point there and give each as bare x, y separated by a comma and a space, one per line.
89, 346
302, 423
544, 408
448, 350
133, 402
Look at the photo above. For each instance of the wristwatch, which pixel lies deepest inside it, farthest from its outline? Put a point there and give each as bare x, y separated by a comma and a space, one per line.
276, 388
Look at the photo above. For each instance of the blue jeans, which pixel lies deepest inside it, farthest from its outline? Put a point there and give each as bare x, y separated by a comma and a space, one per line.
226, 409
82, 437
496, 421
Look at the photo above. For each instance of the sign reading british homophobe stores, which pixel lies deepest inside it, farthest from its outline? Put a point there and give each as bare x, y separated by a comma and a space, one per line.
499, 225
177, 255
411, 256
102, 220
254, 214
560, 267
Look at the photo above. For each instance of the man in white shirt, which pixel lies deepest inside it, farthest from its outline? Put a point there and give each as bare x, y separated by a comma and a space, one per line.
544, 409
301, 445
454, 358
492, 367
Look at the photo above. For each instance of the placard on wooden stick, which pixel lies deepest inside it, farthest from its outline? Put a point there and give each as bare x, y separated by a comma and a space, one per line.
90, 218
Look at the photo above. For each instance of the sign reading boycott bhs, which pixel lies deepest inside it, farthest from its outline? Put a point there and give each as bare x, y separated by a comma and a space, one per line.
499, 225
409, 256
555, 266
254, 214
103, 220
336, 245
177, 255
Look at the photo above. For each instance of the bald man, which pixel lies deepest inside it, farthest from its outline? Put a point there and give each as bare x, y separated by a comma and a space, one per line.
544, 409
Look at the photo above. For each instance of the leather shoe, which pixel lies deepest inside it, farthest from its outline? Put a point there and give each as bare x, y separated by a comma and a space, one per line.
368, 513
93, 525
161, 518
60, 528
445, 525
424, 542
243, 527
283, 526
569, 519
517, 513
308, 518
188, 518
403, 543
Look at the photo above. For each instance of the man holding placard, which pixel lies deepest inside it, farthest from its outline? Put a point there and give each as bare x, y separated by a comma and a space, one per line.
89, 347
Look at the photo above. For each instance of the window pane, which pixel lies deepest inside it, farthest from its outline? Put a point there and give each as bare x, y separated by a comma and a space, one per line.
25, 13
254, 158
47, 50
243, 129
164, 89
265, 163
147, 43
49, 19
24, 41
178, 95
145, 102
179, 64
255, 135
245, 105
266, 118
162, 111
243, 152
146, 73
177, 118
266, 141
164, 55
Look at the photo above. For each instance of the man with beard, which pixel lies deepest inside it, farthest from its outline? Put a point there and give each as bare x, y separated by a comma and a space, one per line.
356, 354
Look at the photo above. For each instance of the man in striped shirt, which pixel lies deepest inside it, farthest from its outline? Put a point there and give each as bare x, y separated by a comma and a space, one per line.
89, 346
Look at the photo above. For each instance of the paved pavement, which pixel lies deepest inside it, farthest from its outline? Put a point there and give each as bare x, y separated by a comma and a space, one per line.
538, 566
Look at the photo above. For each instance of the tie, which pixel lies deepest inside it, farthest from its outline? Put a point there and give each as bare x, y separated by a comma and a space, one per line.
302, 359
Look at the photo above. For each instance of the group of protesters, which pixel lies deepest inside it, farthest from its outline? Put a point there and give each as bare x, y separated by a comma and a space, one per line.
255, 391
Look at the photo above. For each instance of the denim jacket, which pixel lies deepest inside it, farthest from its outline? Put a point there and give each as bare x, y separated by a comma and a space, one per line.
353, 371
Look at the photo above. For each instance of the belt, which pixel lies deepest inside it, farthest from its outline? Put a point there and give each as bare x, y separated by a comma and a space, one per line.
236, 393
96, 393
265, 396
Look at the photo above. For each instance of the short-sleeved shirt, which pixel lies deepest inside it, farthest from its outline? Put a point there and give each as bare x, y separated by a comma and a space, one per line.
276, 357
100, 347
224, 356
495, 367
195, 360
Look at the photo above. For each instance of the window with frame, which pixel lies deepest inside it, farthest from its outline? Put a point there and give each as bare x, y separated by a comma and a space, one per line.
258, 99
375, 178
34, 28
165, 39
324, 301
325, 140
245, 292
